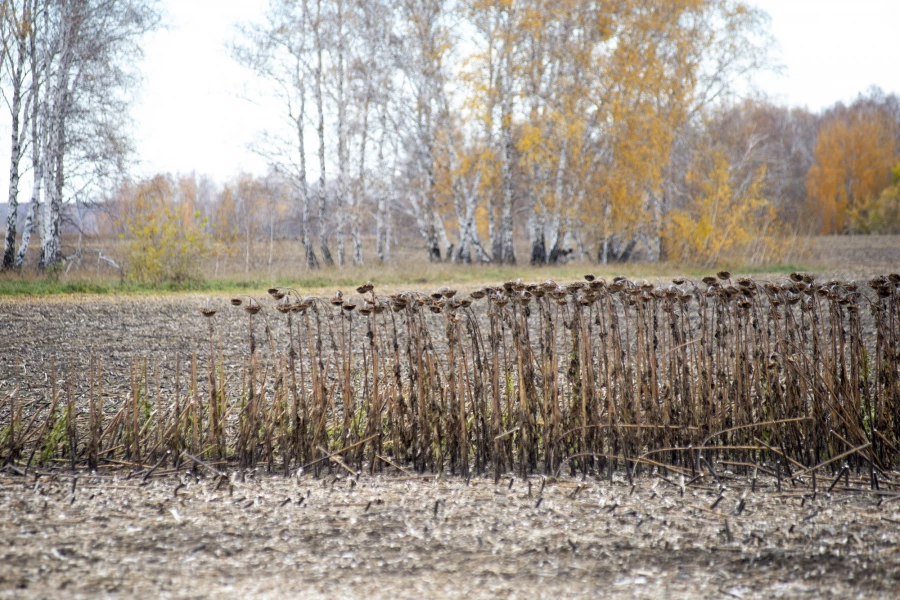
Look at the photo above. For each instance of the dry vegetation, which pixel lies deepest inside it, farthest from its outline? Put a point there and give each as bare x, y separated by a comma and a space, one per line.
570, 434
851, 251
525, 378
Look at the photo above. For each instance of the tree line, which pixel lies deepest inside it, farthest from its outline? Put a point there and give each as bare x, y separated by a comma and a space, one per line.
497, 131
476, 117
599, 129
745, 182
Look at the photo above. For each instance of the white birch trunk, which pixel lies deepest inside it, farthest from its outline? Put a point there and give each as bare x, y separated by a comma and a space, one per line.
37, 150
340, 208
538, 239
358, 197
441, 230
299, 120
507, 250
382, 238
310, 255
51, 246
463, 252
320, 130
556, 252
30, 223
9, 246
380, 228
469, 241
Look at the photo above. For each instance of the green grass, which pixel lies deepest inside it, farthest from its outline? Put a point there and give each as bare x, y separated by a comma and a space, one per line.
35, 286
413, 276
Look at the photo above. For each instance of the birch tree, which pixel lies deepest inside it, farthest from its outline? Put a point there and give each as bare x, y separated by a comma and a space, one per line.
385, 169
370, 90
79, 56
567, 120
281, 51
337, 43
17, 22
423, 60
38, 109
319, 42
494, 77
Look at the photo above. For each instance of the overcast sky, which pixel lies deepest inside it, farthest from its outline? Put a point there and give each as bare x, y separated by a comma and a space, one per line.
833, 49
191, 115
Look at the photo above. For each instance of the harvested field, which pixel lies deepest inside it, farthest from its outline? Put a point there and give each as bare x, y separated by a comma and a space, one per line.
690, 440
519, 377
855, 252
396, 537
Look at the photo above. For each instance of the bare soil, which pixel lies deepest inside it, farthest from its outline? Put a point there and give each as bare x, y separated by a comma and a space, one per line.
69, 329
398, 537
855, 252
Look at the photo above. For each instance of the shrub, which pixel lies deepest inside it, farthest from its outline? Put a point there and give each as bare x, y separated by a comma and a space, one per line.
881, 213
166, 238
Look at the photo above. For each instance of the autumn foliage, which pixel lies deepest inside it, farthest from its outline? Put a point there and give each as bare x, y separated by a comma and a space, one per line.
166, 238
509, 131
719, 220
856, 150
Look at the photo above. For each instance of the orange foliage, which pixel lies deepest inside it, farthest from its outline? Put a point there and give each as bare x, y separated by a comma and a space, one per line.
854, 154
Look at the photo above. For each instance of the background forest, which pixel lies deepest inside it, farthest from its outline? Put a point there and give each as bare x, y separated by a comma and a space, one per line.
466, 131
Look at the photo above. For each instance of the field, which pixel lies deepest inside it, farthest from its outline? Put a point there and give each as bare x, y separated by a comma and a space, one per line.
636, 437
395, 536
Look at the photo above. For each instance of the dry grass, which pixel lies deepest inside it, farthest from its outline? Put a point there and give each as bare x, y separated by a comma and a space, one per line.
848, 257
855, 252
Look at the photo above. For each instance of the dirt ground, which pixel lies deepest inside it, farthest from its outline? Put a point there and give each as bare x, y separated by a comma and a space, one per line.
118, 330
855, 252
398, 537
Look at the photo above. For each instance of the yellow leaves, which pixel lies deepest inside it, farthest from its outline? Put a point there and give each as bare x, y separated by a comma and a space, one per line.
166, 237
481, 221
479, 163
533, 21
881, 213
719, 222
593, 95
486, 5
645, 85
530, 139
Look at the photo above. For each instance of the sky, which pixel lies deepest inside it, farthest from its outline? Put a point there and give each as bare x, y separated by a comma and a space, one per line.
832, 50
191, 113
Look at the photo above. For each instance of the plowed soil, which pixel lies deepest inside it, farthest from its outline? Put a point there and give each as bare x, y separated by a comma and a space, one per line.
184, 536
